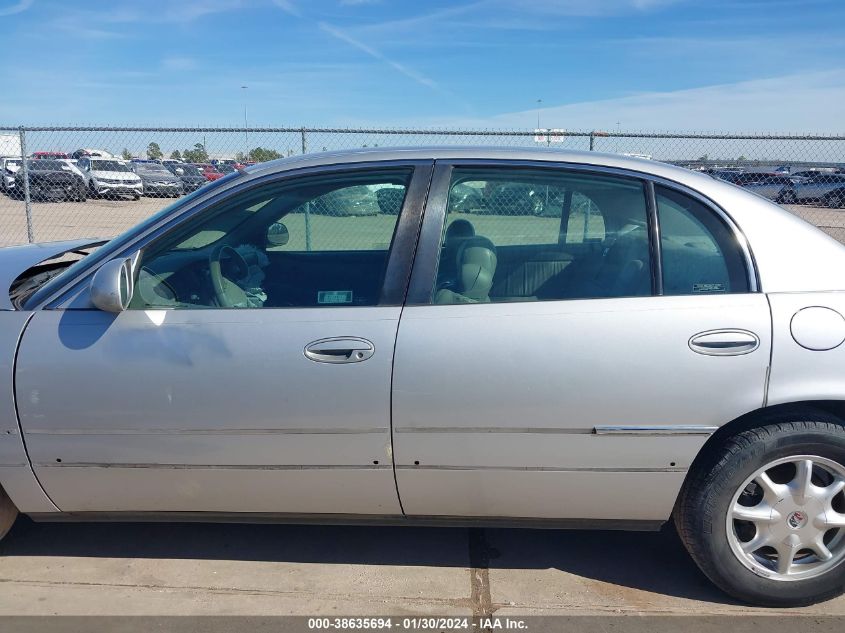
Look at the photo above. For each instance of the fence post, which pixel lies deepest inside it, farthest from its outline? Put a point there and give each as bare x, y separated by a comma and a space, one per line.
592, 141
308, 204
30, 235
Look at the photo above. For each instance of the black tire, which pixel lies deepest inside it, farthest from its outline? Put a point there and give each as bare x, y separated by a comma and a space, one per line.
701, 512
788, 197
136, 196
835, 200
8, 513
92, 191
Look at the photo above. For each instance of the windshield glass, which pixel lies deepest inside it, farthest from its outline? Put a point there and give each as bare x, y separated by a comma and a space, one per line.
121, 240
108, 165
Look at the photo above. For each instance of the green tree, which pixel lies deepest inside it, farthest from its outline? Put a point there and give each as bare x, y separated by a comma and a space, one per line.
127, 155
154, 151
195, 155
262, 154
176, 154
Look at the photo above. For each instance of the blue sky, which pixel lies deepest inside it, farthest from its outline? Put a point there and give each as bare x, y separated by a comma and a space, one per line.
707, 65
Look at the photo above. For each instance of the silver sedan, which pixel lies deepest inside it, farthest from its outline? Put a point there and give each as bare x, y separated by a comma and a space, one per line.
596, 341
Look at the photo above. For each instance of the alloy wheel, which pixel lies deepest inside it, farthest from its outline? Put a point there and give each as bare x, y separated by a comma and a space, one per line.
787, 521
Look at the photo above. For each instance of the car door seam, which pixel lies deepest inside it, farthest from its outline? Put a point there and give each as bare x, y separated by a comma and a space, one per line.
17, 412
408, 282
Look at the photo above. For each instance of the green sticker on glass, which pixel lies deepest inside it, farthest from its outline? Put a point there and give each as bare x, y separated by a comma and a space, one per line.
334, 296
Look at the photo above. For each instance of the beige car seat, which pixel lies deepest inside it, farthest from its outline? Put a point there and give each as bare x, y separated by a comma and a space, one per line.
476, 267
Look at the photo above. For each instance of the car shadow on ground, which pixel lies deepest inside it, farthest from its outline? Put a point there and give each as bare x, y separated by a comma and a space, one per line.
649, 561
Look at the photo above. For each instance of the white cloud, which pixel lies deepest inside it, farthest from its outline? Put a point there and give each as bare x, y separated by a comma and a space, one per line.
17, 7
800, 103
375, 54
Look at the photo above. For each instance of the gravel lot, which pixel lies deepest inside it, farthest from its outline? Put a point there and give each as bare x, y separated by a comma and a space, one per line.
157, 569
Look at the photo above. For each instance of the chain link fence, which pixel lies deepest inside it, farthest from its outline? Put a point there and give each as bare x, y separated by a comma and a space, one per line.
67, 182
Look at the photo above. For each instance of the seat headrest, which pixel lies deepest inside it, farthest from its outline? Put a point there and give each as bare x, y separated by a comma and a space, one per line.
459, 229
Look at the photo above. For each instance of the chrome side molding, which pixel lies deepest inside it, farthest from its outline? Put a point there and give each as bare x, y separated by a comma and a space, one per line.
676, 429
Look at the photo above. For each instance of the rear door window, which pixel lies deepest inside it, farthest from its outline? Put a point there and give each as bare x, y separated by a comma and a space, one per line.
700, 253
514, 234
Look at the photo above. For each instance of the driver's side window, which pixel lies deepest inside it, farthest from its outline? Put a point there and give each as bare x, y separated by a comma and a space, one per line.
312, 241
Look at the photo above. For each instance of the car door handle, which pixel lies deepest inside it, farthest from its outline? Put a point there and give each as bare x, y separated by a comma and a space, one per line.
341, 349
724, 342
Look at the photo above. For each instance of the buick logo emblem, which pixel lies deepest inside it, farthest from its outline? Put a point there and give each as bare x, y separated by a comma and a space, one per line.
796, 520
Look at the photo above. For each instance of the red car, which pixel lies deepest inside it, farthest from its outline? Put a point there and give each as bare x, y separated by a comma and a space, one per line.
208, 171
49, 155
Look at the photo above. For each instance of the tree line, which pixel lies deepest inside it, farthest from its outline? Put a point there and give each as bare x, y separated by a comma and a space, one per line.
198, 154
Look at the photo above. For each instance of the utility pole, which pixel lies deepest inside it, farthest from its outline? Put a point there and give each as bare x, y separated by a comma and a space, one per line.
246, 127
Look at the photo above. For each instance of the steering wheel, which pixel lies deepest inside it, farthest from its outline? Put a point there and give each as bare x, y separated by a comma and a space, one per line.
227, 292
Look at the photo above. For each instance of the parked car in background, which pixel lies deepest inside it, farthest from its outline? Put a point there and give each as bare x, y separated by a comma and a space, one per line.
50, 180
48, 155
208, 171
8, 167
655, 345
99, 153
825, 188
71, 163
226, 168
835, 199
157, 179
110, 177
772, 186
191, 177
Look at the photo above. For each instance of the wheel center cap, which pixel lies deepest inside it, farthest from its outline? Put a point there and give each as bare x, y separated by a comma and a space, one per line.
796, 520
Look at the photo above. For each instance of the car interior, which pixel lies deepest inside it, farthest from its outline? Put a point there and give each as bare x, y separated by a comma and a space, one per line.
273, 248
539, 239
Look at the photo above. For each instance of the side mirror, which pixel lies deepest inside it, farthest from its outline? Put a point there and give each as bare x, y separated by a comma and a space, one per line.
111, 286
277, 234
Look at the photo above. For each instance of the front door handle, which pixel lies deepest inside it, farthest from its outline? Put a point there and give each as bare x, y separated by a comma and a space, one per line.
724, 342
340, 349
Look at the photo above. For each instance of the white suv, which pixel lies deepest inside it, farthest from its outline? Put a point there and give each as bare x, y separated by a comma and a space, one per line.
8, 168
109, 177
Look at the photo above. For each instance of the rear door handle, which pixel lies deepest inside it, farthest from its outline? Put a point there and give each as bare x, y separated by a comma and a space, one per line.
341, 349
724, 342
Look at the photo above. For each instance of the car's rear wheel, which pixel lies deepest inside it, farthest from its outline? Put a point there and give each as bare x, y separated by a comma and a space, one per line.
8, 513
763, 515
788, 197
835, 200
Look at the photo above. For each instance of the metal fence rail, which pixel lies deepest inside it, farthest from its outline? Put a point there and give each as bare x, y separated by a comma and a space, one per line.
35, 208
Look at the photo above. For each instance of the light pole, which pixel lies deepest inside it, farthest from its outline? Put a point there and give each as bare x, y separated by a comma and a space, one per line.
246, 127
539, 101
